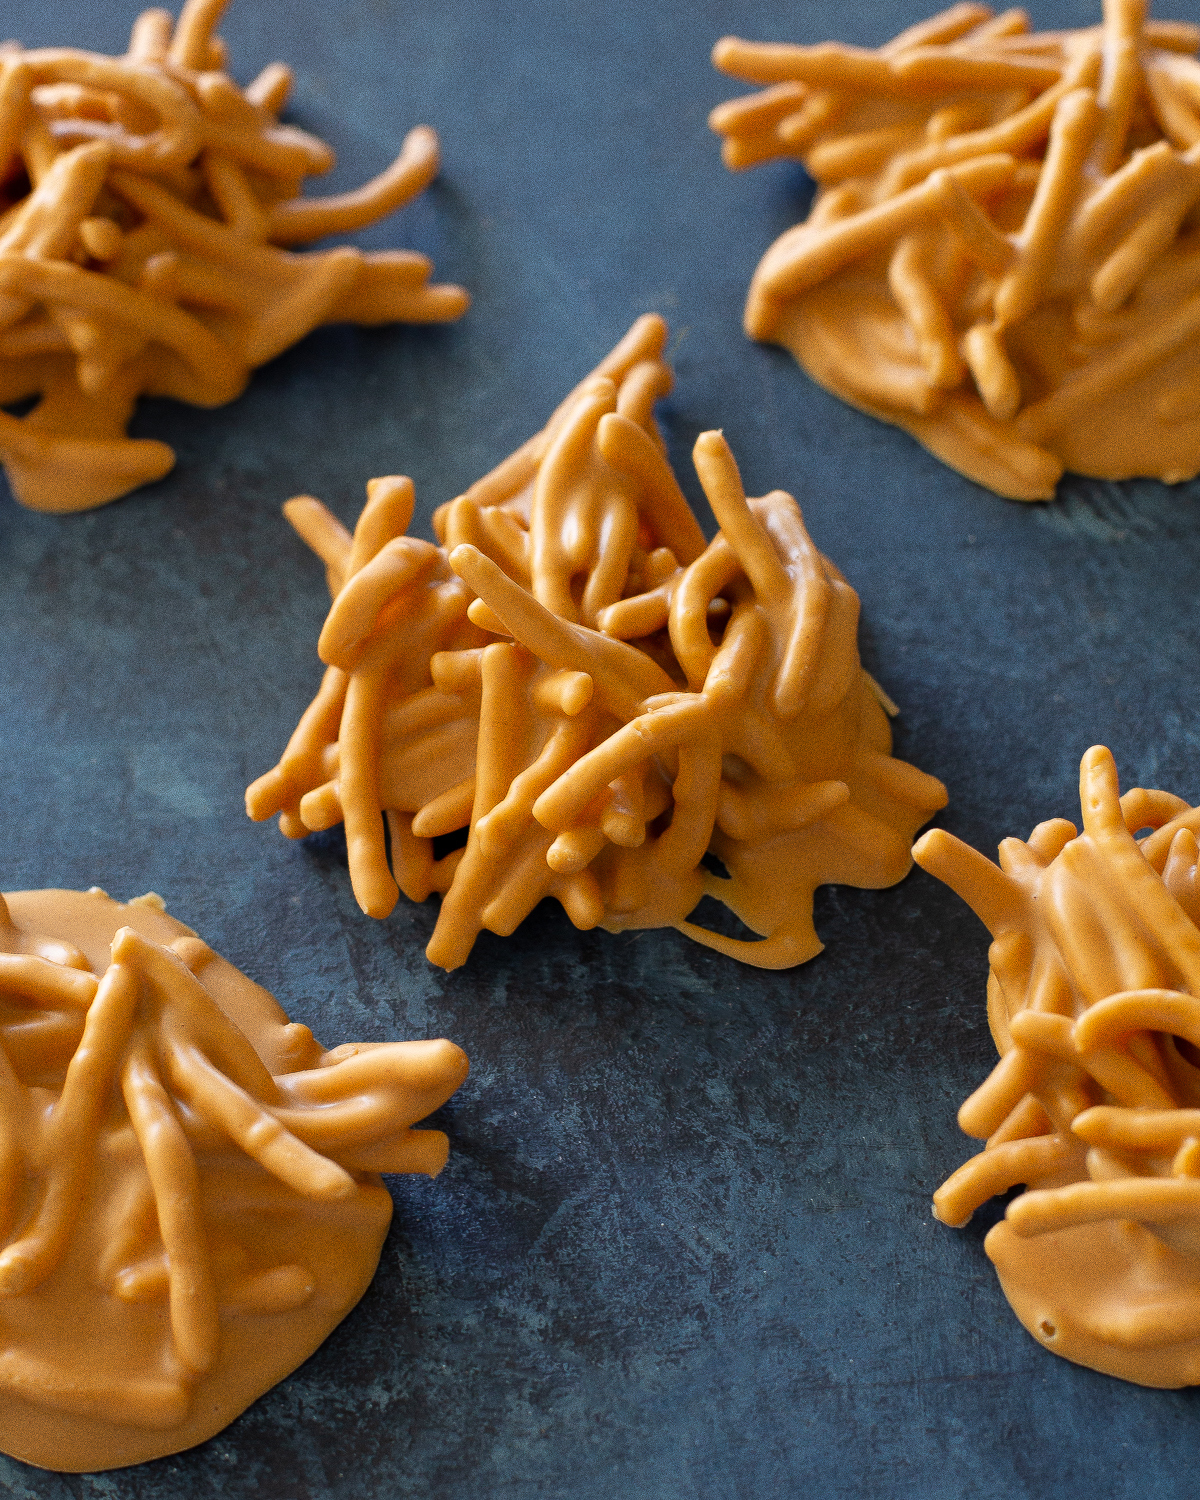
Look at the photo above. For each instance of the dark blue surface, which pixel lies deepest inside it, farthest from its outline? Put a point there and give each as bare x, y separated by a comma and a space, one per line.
683, 1247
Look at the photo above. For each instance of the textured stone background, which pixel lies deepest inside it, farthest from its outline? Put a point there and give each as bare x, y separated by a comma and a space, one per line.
683, 1247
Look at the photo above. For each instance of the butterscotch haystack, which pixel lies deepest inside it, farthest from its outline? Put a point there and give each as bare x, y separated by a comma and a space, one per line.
189, 1198
144, 201
1004, 253
597, 696
1094, 1004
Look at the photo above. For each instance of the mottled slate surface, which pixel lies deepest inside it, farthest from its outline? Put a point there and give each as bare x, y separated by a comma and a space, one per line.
683, 1247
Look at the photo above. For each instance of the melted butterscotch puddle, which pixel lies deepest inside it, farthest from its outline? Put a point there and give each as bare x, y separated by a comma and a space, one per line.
189, 1189
1094, 1005
595, 699
144, 204
1004, 254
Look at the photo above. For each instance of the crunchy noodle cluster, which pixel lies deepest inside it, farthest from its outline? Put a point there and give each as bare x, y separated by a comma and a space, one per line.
1004, 254
187, 1204
144, 201
1094, 1005
598, 696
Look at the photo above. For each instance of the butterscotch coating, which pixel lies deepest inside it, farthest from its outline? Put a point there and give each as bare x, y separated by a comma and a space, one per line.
1003, 256
1094, 1005
145, 202
596, 696
189, 1189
